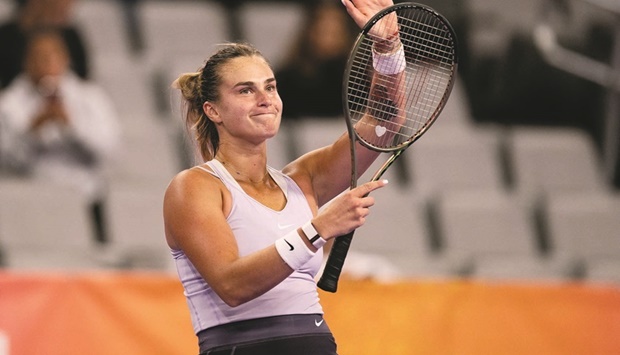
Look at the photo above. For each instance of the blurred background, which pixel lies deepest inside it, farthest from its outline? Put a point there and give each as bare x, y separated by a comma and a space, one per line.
516, 183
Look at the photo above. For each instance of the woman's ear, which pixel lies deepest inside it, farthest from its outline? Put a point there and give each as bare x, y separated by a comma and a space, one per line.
211, 111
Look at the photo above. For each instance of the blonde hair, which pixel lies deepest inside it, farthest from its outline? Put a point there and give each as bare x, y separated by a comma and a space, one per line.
203, 86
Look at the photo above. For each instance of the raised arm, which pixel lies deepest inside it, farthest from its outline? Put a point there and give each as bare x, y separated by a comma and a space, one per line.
325, 172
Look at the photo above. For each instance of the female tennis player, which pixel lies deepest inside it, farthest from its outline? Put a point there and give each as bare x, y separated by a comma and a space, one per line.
244, 236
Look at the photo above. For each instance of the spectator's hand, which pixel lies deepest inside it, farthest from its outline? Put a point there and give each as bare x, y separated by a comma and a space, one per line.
53, 112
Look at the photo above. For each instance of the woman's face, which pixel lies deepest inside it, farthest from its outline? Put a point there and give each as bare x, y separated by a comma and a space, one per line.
249, 106
46, 56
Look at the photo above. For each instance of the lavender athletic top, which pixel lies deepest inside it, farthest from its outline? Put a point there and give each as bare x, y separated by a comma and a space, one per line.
255, 227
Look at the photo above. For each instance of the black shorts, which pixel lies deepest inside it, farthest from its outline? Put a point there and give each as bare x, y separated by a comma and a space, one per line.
304, 334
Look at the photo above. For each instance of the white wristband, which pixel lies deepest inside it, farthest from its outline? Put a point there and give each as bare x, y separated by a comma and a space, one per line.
293, 250
389, 63
313, 236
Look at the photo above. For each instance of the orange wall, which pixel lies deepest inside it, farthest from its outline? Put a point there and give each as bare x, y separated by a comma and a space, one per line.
140, 313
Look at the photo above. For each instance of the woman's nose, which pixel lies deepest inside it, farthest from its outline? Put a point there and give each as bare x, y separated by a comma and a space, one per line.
264, 98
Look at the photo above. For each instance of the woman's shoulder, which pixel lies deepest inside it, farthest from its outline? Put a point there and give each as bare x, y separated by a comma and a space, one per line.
194, 181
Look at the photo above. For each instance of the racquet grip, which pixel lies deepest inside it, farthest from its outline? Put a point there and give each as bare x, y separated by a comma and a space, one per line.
335, 262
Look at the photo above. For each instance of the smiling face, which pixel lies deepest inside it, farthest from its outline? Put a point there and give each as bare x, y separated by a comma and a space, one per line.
249, 107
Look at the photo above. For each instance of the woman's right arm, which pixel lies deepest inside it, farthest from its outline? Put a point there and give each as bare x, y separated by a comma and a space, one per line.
195, 222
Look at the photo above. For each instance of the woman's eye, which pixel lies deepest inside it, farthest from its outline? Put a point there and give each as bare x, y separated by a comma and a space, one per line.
245, 91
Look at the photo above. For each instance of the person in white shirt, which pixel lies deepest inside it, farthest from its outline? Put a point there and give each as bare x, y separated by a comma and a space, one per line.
55, 125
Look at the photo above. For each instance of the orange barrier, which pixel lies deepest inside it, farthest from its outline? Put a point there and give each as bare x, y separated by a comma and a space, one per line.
141, 313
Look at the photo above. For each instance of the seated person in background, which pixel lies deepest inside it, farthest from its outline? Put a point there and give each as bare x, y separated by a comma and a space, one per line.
54, 125
30, 15
311, 79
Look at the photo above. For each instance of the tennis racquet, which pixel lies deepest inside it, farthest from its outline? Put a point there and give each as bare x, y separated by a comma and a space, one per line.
391, 101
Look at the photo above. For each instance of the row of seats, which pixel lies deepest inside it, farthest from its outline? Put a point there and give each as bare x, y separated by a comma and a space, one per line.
48, 227
497, 203
490, 202
485, 232
450, 211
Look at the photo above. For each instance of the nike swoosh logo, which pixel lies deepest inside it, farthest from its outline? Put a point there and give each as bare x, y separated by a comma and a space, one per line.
290, 245
284, 226
318, 323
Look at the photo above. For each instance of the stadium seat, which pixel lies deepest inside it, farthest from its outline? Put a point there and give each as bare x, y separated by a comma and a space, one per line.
45, 226
272, 27
130, 86
583, 227
394, 243
148, 153
490, 234
103, 24
135, 214
549, 160
179, 28
603, 271
456, 158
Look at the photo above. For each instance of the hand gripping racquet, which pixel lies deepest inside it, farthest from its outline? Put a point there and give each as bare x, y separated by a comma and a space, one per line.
398, 78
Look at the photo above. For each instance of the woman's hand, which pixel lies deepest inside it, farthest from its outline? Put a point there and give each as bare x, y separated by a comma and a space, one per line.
347, 212
363, 10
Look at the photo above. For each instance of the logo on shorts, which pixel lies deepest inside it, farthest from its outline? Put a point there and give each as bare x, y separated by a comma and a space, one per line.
318, 323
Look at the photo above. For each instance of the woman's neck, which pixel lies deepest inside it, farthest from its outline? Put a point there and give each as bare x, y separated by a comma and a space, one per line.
245, 168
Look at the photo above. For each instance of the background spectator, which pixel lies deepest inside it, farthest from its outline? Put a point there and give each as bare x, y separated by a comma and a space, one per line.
33, 14
310, 82
54, 125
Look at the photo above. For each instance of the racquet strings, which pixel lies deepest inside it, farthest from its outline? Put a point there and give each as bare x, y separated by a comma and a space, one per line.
430, 56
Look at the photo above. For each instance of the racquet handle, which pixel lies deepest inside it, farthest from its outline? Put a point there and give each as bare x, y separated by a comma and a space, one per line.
335, 262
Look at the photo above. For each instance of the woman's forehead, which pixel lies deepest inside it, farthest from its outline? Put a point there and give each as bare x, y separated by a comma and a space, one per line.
246, 69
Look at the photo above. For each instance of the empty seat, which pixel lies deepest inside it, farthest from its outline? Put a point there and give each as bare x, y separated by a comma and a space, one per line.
272, 27
491, 230
45, 226
135, 219
457, 111
149, 153
456, 158
178, 29
181, 28
103, 24
312, 133
584, 226
395, 234
549, 160
603, 271
130, 86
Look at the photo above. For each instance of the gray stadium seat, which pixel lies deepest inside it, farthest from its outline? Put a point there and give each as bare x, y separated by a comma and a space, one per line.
135, 214
550, 160
272, 27
584, 227
491, 235
182, 27
396, 234
453, 158
104, 27
45, 226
